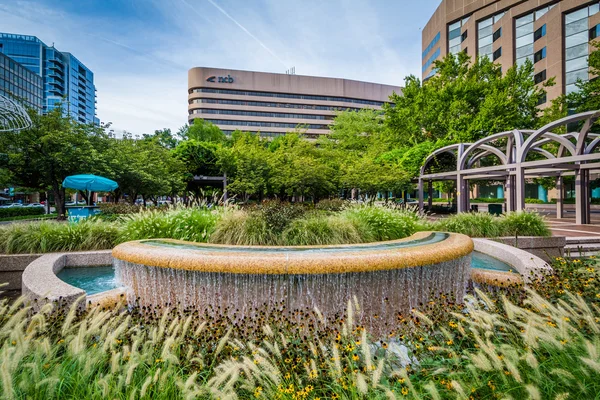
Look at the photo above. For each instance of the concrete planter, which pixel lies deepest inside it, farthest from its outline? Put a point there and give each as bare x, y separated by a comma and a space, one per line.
546, 248
12, 267
41, 285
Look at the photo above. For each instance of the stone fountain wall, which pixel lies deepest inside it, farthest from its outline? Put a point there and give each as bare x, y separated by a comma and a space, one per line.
383, 282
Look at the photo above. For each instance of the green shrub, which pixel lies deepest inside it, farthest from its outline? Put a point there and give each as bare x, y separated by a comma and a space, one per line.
319, 230
21, 211
487, 200
277, 214
333, 205
52, 236
534, 201
378, 223
193, 224
487, 225
524, 223
471, 224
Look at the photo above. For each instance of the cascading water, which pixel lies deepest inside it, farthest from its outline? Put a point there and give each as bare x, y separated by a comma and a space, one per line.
384, 288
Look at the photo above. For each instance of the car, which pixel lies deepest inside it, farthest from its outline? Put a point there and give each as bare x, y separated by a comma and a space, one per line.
11, 205
34, 205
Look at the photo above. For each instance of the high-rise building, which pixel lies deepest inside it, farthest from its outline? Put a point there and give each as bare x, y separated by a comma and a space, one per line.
554, 35
274, 104
20, 83
65, 78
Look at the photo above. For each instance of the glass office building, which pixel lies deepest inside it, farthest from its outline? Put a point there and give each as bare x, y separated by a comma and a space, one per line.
65, 78
19, 83
554, 35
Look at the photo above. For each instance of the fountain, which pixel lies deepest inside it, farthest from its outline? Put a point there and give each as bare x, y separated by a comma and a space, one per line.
385, 278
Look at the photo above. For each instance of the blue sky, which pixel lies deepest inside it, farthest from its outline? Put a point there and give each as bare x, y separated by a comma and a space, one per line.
140, 50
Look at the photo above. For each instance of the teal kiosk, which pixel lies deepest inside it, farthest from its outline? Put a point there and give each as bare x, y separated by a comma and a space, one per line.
89, 183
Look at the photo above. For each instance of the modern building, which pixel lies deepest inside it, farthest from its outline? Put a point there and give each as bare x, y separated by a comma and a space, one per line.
554, 35
65, 78
19, 83
274, 104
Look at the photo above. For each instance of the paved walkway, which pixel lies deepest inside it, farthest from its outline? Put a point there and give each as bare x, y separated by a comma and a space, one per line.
568, 227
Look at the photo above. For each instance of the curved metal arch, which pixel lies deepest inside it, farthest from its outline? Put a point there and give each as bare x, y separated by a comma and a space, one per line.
589, 116
487, 151
445, 149
515, 135
13, 117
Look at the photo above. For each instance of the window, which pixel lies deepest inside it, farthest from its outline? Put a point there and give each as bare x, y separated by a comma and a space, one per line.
576, 63
543, 98
497, 54
540, 77
539, 55
463, 36
539, 33
497, 34
594, 32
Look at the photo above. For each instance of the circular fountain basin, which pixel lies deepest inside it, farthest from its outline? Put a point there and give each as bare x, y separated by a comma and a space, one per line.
385, 277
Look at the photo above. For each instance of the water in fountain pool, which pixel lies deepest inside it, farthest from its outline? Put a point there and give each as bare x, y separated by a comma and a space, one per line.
91, 279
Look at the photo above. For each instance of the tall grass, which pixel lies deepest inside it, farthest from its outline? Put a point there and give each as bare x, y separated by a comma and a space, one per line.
52, 236
379, 223
317, 229
192, 224
537, 343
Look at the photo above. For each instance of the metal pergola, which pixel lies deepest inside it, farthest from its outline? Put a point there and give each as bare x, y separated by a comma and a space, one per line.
573, 154
13, 117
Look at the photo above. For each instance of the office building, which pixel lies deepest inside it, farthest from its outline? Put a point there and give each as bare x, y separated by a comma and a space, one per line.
65, 78
19, 83
553, 35
274, 104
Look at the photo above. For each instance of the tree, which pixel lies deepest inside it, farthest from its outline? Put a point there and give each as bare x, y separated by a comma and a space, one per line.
464, 102
163, 137
587, 98
54, 147
202, 131
143, 168
246, 164
300, 169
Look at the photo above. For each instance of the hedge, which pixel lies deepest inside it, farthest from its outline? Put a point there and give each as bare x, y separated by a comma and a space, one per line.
21, 211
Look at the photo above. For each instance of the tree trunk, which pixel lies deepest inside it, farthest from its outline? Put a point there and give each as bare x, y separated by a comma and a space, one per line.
59, 200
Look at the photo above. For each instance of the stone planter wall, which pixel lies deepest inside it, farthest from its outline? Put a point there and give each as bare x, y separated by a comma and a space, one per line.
12, 267
546, 248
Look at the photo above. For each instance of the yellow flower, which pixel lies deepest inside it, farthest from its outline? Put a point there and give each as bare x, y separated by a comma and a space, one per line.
257, 391
450, 342
404, 391
355, 357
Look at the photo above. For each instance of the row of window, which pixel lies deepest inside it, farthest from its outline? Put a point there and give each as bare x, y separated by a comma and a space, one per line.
265, 124
18, 82
272, 104
260, 114
433, 57
577, 37
286, 96
455, 37
431, 45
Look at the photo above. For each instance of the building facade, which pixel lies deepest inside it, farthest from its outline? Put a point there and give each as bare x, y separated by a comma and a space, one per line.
65, 78
554, 35
21, 84
274, 104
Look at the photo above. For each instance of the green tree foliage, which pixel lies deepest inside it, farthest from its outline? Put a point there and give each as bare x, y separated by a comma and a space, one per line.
464, 102
164, 137
202, 131
246, 165
143, 167
587, 98
54, 147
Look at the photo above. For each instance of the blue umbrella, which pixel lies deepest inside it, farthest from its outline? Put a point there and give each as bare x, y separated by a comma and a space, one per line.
90, 182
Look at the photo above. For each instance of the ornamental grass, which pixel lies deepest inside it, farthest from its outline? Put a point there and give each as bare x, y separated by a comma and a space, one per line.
540, 342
